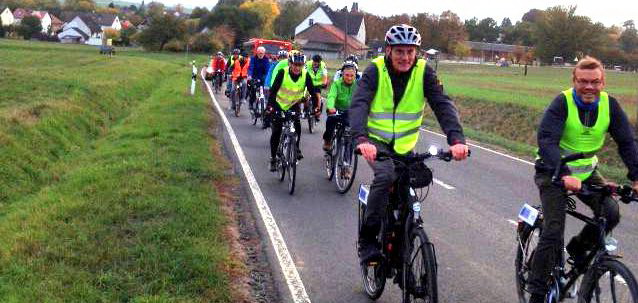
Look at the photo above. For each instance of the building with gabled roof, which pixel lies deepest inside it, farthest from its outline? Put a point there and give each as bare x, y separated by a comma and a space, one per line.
329, 41
351, 22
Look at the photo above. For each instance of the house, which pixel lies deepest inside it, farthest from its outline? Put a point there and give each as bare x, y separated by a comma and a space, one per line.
329, 41
351, 22
492, 52
6, 17
92, 25
45, 20
56, 24
20, 13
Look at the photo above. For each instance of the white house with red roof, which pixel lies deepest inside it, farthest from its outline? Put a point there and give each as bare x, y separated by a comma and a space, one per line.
6, 17
45, 18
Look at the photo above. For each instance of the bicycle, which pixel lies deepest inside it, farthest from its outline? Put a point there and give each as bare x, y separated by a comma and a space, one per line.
257, 113
413, 257
235, 98
600, 263
341, 160
286, 157
216, 81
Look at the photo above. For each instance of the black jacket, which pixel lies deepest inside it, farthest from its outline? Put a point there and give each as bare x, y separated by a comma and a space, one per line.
551, 130
443, 107
279, 78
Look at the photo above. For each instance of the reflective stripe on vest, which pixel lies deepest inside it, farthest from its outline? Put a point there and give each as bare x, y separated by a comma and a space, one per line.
397, 125
290, 91
317, 78
578, 138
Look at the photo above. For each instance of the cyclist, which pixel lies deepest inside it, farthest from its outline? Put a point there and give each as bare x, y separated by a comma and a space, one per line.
218, 65
282, 57
239, 73
576, 122
386, 114
257, 70
286, 92
235, 56
318, 72
339, 98
352, 59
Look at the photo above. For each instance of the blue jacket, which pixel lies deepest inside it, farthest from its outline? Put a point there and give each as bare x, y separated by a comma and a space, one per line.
269, 77
258, 68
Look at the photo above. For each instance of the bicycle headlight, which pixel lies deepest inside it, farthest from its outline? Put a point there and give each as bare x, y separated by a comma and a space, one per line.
611, 244
433, 150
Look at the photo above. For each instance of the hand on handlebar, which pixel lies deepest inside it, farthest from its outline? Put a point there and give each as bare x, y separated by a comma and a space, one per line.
571, 183
368, 150
331, 111
459, 151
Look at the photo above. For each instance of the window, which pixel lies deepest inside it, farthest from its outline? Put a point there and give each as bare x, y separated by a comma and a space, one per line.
311, 22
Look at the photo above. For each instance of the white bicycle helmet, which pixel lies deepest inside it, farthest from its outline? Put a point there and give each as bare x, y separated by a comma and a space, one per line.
403, 34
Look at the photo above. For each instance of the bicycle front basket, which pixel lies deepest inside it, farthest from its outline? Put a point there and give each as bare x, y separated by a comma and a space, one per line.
420, 175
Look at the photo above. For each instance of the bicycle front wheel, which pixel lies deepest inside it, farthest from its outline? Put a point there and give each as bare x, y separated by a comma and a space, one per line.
419, 269
345, 167
281, 159
609, 281
292, 165
528, 237
373, 274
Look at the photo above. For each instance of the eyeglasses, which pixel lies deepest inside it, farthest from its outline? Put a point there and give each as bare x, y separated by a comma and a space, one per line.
584, 82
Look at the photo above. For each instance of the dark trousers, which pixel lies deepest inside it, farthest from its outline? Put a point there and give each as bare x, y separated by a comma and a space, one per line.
548, 251
253, 88
331, 123
384, 177
276, 127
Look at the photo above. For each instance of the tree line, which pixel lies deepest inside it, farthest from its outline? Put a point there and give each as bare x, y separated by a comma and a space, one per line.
554, 32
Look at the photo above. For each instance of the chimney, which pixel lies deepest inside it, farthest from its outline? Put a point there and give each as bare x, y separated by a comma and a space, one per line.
355, 7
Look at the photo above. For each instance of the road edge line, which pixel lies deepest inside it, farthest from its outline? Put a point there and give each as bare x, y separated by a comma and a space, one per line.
288, 268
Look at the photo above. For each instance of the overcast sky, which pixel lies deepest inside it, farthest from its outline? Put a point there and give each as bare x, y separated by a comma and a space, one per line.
609, 12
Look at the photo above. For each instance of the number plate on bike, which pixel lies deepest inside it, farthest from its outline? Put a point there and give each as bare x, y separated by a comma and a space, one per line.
528, 214
364, 190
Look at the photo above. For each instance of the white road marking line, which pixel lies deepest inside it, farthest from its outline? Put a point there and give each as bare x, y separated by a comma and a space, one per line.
512, 221
446, 186
295, 285
484, 148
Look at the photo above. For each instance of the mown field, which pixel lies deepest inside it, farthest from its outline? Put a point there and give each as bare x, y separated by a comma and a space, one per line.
106, 180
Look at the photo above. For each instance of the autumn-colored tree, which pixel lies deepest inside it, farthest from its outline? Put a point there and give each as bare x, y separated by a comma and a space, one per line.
107, 10
268, 10
460, 50
80, 5
244, 23
112, 34
450, 31
161, 29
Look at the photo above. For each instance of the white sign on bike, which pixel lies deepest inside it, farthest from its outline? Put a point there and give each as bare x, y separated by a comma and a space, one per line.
363, 194
528, 214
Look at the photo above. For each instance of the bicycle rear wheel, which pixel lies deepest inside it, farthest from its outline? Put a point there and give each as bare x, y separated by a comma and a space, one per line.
329, 160
528, 237
292, 164
237, 104
311, 121
609, 281
419, 269
281, 159
345, 166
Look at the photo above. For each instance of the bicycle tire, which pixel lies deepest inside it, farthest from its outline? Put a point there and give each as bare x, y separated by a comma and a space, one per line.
622, 276
281, 162
527, 240
344, 184
373, 277
311, 121
421, 287
292, 165
253, 113
237, 106
329, 160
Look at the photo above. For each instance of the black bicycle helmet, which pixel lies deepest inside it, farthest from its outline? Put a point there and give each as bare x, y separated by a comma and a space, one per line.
316, 58
403, 34
352, 58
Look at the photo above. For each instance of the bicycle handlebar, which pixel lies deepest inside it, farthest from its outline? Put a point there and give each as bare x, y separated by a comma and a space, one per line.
445, 155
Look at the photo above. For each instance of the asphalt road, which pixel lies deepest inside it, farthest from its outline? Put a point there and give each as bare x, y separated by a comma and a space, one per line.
471, 224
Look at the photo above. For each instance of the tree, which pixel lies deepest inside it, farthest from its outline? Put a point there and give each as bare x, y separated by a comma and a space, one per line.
520, 34
245, 23
199, 12
291, 13
560, 32
29, 26
450, 31
126, 35
471, 26
629, 37
161, 29
460, 50
488, 29
155, 9
80, 5
506, 23
111, 5
533, 15
267, 10
112, 34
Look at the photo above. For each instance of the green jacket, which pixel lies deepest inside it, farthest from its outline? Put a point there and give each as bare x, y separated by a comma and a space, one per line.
340, 95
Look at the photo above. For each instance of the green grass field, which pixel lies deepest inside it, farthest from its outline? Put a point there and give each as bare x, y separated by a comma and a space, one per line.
106, 180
